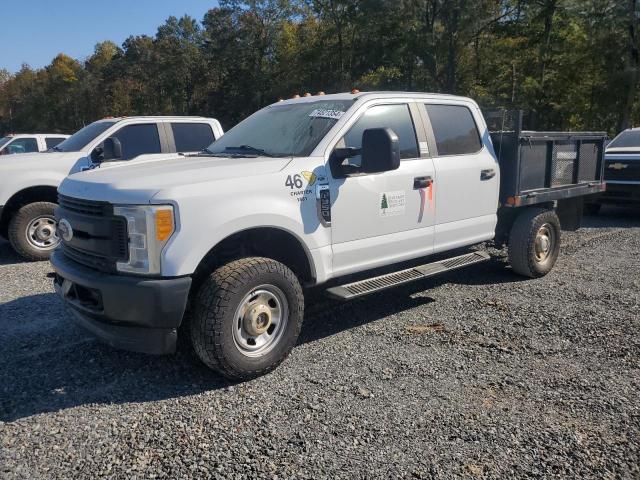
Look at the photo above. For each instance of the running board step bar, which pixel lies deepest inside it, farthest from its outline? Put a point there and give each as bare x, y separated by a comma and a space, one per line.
376, 284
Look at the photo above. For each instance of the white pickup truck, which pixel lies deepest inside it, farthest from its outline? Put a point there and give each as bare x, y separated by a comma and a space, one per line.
29, 142
29, 182
313, 191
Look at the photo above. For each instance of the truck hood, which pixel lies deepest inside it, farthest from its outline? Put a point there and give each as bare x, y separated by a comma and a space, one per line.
138, 182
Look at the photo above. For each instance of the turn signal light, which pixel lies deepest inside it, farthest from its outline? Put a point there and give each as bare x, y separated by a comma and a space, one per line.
164, 224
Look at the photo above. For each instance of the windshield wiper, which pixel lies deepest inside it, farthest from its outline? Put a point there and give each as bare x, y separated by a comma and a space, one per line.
249, 148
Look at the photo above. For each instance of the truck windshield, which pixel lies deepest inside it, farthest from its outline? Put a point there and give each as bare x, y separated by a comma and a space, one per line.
83, 137
4, 141
628, 138
281, 130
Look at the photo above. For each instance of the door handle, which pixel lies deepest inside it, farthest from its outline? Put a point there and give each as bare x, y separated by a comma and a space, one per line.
422, 182
487, 174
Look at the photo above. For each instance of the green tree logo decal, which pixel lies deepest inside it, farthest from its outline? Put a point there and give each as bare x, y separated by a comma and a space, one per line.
384, 204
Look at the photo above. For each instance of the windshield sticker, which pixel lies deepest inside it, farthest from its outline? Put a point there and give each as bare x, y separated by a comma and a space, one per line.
392, 203
325, 113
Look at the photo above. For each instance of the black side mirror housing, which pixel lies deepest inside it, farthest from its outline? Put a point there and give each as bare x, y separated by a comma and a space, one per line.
345, 152
109, 150
380, 150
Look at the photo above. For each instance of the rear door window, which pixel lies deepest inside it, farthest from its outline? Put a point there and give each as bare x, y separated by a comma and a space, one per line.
397, 117
23, 145
138, 140
53, 141
192, 137
455, 129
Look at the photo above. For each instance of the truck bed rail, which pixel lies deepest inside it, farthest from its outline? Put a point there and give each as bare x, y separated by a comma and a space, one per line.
541, 167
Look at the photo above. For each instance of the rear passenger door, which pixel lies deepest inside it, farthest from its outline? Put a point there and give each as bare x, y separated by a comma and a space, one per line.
466, 175
190, 137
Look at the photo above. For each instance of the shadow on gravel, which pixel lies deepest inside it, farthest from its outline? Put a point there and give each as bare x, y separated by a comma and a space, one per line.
7, 255
612, 216
325, 317
47, 364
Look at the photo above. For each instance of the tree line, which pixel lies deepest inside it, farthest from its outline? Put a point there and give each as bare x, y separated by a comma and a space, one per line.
571, 64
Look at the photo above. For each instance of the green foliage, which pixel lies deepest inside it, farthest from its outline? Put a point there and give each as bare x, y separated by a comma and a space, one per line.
571, 64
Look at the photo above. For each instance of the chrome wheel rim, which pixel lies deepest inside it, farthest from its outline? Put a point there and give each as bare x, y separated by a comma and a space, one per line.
41, 233
544, 243
260, 320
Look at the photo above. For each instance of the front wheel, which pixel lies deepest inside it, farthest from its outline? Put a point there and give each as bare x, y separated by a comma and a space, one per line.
534, 242
32, 231
247, 317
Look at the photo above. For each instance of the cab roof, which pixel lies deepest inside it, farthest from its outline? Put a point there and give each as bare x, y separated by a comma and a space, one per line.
156, 118
374, 95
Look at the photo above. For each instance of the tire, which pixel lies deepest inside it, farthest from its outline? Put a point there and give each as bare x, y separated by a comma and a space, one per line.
271, 298
534, 242
32, 230
592, 208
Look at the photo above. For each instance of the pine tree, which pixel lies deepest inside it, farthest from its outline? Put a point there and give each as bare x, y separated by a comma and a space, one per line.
384, 204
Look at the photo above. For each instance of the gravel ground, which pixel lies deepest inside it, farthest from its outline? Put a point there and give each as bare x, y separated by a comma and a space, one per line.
477, 373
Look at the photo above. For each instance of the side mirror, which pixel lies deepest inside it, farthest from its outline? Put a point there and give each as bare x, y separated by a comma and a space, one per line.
111, 149
380, 150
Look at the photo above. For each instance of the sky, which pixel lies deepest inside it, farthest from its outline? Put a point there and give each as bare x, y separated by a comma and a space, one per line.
35, 31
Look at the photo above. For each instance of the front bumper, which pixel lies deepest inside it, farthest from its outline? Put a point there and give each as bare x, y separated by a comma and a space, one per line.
132, 313
621, 194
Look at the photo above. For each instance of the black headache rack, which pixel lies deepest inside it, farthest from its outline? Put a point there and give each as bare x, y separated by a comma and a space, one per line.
538, 167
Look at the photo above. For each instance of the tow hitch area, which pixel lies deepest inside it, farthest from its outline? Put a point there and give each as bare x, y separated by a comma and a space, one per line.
375, 284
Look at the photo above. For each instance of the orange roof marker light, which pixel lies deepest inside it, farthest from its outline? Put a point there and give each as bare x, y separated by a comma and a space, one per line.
320, 93
354, 91
307, 94
296, 96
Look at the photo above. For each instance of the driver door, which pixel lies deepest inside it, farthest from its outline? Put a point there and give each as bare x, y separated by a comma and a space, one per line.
382, 218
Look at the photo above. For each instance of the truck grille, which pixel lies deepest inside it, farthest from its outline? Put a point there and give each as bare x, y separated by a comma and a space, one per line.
84, 207
622, 170
99, 240
91, 260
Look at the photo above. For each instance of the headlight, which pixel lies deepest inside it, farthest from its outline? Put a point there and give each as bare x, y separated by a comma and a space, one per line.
150, 227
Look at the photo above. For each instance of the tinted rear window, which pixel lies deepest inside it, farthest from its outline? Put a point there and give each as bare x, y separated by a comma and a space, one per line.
455, 129
53, 141
192, 137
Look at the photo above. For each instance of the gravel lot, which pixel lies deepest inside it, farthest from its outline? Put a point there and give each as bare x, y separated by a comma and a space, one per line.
477, 373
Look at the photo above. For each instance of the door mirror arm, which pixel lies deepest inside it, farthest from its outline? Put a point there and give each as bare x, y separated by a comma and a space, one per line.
337, 158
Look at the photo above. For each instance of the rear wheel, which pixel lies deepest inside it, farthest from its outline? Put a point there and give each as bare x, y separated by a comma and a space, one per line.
32, 231
534, 242
247, 317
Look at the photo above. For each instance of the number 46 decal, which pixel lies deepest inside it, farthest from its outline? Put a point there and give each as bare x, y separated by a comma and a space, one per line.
295, 181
